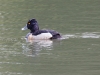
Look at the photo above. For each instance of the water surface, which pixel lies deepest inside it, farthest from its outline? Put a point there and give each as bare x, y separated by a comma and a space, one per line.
76, 54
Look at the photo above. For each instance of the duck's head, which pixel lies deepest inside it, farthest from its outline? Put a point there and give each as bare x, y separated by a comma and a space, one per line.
32, 25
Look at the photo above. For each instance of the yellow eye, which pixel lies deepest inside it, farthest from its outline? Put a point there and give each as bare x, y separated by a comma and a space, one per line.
29, 23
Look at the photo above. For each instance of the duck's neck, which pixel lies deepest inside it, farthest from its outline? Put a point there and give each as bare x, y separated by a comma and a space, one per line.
34, 29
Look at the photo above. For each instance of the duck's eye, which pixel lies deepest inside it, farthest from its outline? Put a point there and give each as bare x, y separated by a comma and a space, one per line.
29, 23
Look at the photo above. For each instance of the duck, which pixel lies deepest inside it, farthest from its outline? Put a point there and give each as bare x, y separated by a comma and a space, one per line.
38, 34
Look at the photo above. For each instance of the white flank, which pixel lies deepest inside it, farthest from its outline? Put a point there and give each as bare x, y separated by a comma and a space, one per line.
43, 36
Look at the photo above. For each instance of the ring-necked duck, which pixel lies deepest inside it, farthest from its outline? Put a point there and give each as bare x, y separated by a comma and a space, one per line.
37, 34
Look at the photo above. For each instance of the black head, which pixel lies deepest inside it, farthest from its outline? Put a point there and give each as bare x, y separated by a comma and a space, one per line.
32, 25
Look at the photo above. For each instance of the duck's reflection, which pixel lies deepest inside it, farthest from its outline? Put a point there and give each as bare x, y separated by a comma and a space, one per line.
33, 49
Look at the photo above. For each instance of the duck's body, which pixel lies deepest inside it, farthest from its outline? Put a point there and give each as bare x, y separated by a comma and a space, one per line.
37, 34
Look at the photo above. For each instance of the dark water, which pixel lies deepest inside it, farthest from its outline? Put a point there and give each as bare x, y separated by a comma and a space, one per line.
78, 53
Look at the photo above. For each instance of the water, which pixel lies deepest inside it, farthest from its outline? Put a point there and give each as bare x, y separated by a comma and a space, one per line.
77, 53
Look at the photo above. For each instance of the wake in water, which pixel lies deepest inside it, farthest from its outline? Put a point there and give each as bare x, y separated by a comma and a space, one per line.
82, 35
34, 48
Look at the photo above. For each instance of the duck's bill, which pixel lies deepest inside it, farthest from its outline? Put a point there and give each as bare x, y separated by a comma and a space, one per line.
24, 28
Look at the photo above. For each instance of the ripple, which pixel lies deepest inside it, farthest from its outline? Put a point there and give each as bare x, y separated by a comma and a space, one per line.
34, 48
10, 73
82, 35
